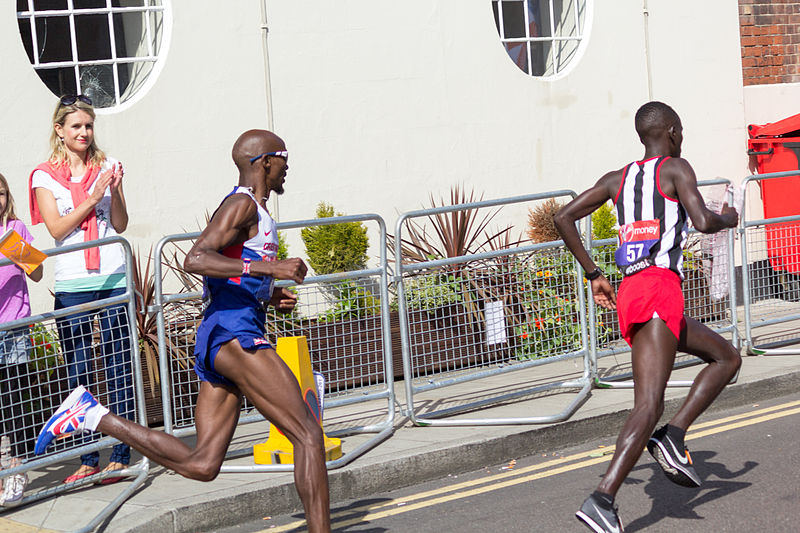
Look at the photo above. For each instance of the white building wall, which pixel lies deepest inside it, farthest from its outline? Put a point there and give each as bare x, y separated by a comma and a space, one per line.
697, 68
770, 103
174, 142
384, 103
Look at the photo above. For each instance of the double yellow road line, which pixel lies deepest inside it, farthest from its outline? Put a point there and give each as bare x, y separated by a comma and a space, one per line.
356, 515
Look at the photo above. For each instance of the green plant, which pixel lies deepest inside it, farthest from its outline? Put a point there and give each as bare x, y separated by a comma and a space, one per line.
433, 290
604, 222
337, 247
146, 322
553, 325
283, 248
144, 286
453, 234
551, 310
45, 351
353, 302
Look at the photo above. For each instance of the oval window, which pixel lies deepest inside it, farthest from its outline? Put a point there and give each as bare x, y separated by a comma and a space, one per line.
542, 37
108, 50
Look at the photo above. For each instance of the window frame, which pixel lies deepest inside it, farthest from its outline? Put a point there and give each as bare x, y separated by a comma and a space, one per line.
581, 35
148, 9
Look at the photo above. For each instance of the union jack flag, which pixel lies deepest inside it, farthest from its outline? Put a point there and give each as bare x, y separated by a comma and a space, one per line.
72, 419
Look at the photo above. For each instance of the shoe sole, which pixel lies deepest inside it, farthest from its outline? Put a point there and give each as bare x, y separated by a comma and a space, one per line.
12, 503
674, 474
591, 524
77, 477
72, 398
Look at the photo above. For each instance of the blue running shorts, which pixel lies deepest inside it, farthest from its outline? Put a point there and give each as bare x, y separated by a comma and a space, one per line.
219, 327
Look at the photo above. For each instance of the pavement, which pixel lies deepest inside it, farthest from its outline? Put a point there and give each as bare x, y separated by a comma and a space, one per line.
167, 502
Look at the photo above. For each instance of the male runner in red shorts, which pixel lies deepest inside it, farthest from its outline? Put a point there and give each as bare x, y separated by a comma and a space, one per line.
652, 198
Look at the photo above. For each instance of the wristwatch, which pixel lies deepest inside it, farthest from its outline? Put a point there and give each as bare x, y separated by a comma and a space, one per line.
594, 274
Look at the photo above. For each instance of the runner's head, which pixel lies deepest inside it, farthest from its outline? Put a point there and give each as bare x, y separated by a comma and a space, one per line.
657, 123
261, 153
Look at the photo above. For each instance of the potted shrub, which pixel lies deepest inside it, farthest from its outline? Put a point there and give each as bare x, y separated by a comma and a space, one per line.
345, 340
446, 313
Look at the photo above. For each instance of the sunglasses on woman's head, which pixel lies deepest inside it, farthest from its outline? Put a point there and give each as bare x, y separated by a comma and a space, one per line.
70, 99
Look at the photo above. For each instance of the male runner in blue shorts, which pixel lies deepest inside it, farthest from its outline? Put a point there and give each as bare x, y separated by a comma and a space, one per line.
652, 198
236, 254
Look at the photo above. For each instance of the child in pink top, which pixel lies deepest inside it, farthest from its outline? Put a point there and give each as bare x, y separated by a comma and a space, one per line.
17, 428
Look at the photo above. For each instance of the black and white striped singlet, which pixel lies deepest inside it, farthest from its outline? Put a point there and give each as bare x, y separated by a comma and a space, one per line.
653, 227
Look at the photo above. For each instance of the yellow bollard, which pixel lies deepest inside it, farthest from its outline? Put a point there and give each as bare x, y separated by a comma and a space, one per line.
277, 449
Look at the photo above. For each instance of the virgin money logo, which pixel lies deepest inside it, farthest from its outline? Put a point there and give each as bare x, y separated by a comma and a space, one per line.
643, 230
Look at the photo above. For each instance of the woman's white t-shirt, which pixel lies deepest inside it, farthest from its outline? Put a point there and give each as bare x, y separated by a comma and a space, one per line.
70, 273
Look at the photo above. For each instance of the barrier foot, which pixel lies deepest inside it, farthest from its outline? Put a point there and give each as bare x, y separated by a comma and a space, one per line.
277, 449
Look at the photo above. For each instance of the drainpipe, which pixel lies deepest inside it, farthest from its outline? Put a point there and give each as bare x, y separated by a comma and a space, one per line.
646, 14
268, 90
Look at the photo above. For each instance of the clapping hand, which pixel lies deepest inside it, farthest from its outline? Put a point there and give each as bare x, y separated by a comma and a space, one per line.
104, 180
117, 172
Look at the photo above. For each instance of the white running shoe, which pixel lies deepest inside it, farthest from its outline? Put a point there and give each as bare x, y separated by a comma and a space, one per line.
78, 413
13, 490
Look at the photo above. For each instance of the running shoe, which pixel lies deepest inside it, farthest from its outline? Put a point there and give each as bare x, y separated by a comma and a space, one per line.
674, 460
598, 518
80, 412
13, 490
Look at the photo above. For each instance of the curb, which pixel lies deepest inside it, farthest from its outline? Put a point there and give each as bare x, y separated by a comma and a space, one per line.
355, 482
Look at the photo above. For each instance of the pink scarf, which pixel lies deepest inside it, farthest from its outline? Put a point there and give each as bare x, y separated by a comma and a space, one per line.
80, 192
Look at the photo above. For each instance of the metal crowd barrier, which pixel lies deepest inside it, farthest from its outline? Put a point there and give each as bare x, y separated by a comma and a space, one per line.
482, 314
771, 278
345, 318
458, 320
710, 297
36, 371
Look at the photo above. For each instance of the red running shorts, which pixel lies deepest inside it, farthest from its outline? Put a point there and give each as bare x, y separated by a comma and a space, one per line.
655, 292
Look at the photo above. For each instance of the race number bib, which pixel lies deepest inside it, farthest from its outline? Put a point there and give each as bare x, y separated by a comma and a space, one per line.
635, 241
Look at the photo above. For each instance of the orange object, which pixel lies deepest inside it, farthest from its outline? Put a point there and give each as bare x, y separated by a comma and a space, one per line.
22, 253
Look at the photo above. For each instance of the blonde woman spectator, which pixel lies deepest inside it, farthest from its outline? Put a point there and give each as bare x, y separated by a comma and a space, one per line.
78, 194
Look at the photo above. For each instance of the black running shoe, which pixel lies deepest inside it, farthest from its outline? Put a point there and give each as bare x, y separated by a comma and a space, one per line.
598, 518
677, 464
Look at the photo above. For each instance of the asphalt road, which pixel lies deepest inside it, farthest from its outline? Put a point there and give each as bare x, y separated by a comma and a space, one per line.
748, 458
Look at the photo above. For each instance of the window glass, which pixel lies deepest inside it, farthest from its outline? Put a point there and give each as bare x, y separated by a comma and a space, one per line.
105, 49
541, 37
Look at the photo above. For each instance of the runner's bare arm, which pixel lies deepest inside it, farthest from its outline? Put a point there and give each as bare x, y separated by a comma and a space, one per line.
230, 225
586, 203
678, 173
